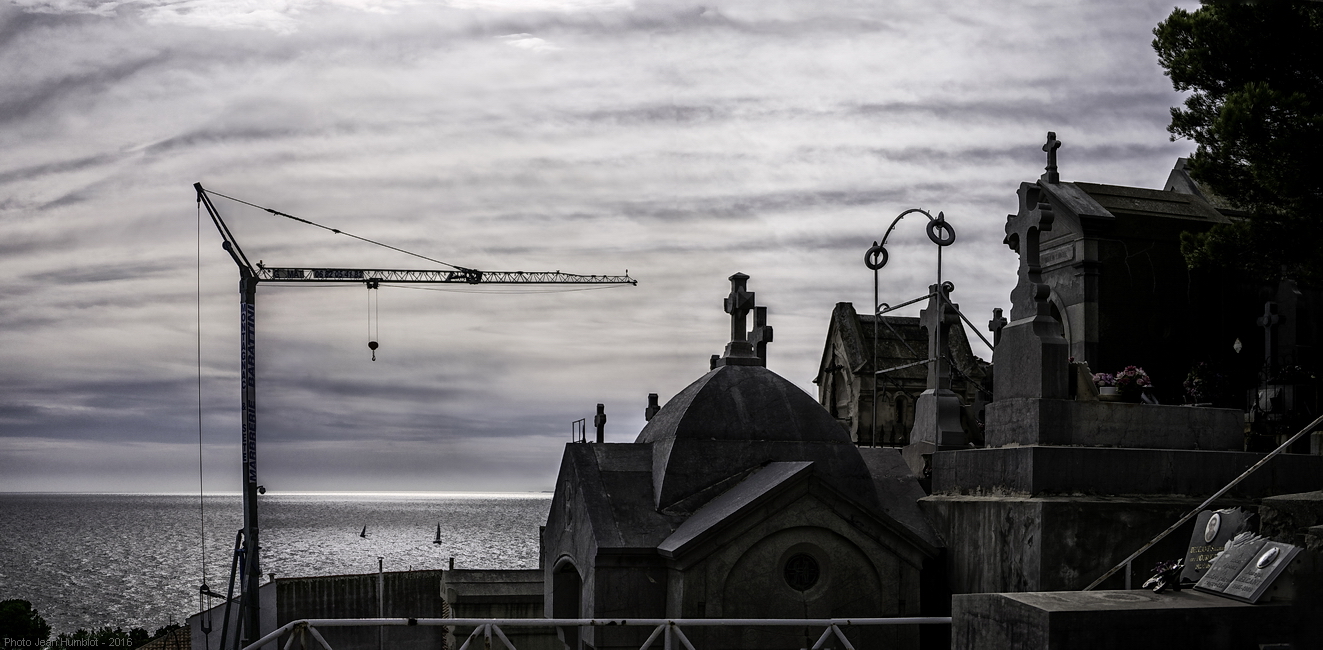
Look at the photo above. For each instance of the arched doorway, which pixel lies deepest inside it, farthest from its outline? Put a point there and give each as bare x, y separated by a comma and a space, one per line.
566, 590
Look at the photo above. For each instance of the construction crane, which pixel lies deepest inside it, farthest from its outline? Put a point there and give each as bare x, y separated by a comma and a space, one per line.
250, 275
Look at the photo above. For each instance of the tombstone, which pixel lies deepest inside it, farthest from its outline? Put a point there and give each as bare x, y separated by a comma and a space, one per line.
1031, 358
937, 411
1212, 531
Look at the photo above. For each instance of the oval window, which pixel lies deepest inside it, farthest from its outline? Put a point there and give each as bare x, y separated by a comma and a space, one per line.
801, 572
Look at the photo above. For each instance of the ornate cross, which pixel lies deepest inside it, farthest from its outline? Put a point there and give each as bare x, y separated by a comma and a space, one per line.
996, 324
1023, 230
738, 304
761, 334
1031, 359
1051, 148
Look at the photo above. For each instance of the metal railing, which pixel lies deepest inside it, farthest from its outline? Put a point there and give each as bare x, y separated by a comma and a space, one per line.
669, 630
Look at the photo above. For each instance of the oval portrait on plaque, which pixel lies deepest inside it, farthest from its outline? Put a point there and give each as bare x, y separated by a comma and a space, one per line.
1214, 524
1267, 558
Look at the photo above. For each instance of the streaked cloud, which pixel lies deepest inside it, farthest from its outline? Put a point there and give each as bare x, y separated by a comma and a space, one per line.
680, 141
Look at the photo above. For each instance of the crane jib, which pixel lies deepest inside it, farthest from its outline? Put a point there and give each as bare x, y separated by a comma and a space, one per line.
466, 276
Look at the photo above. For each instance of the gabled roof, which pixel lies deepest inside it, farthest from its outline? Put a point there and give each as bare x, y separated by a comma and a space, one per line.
764, 486
614, 484
900, 340
747, 494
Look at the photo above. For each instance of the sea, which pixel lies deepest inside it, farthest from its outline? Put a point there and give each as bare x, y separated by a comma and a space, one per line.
137, 560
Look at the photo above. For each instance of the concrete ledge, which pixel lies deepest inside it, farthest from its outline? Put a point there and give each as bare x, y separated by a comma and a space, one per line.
1037, 470
1027, 421
1091, 620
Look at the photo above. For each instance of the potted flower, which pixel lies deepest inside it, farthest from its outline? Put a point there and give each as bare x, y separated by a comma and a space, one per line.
1131, 382
1106, 383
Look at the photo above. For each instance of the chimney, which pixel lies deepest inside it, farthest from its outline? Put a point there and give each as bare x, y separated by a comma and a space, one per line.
652, 407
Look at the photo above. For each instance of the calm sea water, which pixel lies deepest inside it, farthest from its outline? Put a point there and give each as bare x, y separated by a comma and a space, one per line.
135, 560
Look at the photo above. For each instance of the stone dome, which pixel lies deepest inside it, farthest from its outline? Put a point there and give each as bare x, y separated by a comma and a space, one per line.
743, 403
737, 418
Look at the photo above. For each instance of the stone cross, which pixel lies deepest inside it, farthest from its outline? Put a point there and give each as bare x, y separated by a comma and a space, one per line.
937, 319
1023, 234
996, 324
761, 334
1267, 321
1033, 356
738, 304
1051, 147
599, 421
937, 411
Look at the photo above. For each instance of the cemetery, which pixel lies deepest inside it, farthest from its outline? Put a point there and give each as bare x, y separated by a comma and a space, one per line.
1019, 511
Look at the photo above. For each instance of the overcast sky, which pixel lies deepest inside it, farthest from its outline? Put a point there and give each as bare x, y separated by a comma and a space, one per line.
681, 141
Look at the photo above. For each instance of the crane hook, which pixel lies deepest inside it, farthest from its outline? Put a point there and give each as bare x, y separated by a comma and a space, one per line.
373, 319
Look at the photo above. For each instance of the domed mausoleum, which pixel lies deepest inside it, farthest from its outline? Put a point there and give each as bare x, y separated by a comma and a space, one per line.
741, 498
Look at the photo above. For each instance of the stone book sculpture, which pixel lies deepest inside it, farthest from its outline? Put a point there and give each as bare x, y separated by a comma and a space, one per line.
1212, 530
1247, 568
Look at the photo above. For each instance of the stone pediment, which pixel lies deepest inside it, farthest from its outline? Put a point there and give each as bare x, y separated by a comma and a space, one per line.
775, 489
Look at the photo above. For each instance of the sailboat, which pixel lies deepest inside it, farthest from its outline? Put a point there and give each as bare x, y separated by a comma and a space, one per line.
364, 533
438, 535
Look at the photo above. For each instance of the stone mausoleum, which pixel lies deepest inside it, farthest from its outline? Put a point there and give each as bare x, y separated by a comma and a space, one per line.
741, 498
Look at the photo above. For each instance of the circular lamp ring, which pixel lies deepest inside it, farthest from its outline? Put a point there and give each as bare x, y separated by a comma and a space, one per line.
941, 232
875, 258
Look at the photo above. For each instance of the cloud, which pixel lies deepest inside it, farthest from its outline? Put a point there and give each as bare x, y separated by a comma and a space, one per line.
528, 42
680, 142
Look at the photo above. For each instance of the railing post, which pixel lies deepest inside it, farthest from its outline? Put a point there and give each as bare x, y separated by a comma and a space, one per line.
679, 633
656, 632
822, 639
497, 629
841, 635
318, 635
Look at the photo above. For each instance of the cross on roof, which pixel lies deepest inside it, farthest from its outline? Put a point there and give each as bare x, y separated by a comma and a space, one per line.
1051, 147
761, 334
738, 304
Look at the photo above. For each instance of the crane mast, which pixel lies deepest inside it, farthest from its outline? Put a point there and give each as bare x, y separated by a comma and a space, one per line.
250, 275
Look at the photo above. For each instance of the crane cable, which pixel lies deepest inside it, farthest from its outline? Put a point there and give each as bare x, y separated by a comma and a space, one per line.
374, 320
204, 591
340, 232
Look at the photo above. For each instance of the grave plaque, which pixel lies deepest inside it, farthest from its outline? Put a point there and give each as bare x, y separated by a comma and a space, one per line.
1247, 568
1239, 553
1260, 573
1212, 530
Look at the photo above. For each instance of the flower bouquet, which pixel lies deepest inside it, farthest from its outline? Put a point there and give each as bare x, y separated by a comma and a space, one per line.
1131, 382
1106, 383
